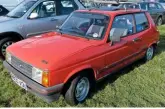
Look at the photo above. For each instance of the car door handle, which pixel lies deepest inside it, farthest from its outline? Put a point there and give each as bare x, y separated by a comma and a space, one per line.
53, 19
136, 39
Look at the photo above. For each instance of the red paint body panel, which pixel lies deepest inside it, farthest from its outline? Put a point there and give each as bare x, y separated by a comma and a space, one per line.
67, 55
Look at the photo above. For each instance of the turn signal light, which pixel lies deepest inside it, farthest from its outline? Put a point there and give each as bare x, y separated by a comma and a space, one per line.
45, 79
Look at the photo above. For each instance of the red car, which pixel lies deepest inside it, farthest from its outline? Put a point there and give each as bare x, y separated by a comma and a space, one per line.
90, 45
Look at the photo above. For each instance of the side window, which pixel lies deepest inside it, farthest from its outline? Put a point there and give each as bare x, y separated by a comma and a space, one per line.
144, 6
124, 24
159, 6
45, 9
66, 7
141, 22
152, 6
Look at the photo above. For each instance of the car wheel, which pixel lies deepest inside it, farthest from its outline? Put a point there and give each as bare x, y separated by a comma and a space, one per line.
4, 43
78, 91
149, 53
159, 21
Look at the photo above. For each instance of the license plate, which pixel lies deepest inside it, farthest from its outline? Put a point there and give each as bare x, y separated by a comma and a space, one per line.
19, 82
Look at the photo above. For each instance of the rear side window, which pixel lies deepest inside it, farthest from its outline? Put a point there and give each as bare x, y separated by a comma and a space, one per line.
152, 6
67, 6
141, 22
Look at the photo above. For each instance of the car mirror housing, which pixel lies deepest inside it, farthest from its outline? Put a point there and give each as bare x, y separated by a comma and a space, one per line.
33, 16
115, 34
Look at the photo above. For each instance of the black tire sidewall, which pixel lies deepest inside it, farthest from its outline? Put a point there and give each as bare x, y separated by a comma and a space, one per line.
70, 93
146, 59
3, 41
158, 21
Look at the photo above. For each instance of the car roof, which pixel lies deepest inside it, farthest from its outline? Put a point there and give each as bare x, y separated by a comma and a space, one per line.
115, 12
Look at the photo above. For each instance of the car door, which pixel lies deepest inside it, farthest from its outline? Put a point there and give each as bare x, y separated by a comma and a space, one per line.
120, 53
47, 15
42, 18
64, 8
142, 31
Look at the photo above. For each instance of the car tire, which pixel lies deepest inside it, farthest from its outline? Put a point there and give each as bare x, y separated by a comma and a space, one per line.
4, 43
149, 53
159, 21
78, 90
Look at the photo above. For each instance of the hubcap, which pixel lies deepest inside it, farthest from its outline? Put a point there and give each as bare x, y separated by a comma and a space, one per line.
82, 89
159, 21
150, 53
4, 46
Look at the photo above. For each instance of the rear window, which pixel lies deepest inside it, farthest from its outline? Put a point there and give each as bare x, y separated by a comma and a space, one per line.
141, 22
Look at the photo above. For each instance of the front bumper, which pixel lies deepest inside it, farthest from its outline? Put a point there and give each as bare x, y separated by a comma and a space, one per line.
48, 94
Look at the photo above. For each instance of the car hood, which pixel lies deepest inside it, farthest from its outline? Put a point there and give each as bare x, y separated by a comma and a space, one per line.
5, 19
48, 49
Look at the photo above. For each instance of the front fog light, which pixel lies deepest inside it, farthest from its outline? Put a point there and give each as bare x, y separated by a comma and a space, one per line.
8, 57
37, 75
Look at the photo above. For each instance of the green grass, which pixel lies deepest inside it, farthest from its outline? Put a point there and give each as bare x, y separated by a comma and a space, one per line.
139, 85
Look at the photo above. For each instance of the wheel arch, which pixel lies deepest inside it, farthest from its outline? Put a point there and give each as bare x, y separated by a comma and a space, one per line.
160, 16
79, 70
12, 34
89, 70
154, 45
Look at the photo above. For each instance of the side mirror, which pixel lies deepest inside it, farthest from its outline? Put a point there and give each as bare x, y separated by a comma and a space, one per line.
116, 33
33, 15
58, 27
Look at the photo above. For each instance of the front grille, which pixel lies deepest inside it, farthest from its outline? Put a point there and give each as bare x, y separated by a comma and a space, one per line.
24, 68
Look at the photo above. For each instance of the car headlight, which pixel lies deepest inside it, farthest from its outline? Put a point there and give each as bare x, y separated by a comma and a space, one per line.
8, 57
40, 76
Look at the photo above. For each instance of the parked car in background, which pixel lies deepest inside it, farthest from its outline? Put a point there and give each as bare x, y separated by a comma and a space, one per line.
3, 11
90, 45
156, 11
162, 2
128, 5
10, 4
33, 17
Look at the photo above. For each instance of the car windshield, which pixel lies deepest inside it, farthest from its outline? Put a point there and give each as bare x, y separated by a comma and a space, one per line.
87, 25
21, 9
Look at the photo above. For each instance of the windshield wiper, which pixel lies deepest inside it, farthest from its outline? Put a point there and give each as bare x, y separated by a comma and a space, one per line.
78, 34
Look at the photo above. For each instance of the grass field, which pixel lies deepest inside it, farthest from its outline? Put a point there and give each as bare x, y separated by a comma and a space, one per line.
139, 85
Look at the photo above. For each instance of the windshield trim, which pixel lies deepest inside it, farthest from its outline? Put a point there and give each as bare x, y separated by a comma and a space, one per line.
87, 37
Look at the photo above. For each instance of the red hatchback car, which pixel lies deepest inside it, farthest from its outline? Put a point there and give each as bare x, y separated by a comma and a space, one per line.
90, 45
